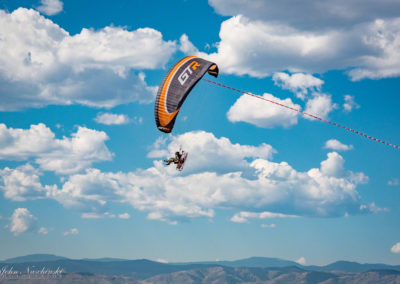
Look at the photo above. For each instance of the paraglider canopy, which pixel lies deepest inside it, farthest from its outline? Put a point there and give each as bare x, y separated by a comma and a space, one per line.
176, 86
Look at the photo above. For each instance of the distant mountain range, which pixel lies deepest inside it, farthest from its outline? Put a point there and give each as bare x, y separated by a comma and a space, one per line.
259, 269
259, 262
34, 258
250, 262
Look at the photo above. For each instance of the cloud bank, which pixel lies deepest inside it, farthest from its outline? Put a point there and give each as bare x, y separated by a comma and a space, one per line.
361, 37
245, 181
42, 64
64, 156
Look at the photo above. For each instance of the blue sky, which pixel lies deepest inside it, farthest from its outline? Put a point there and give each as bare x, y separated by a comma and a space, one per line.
80, 157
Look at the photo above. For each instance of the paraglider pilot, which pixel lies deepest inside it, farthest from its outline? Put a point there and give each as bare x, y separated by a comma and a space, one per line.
175, 159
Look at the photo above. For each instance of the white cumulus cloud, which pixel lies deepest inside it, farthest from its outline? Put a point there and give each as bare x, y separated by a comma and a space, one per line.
42, 64
299, 83
367, 49
262, 113
22, 183
319, 105
220, 175
43, 231
158, 148
217, 154
112, 118
50, 7
124, 216
73, 231
336, 145
21, 221
349, 103
321, 15
243, 216
395, 248
371, 207
333, 166
95, 215
259, 187
186, 46
64, 156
